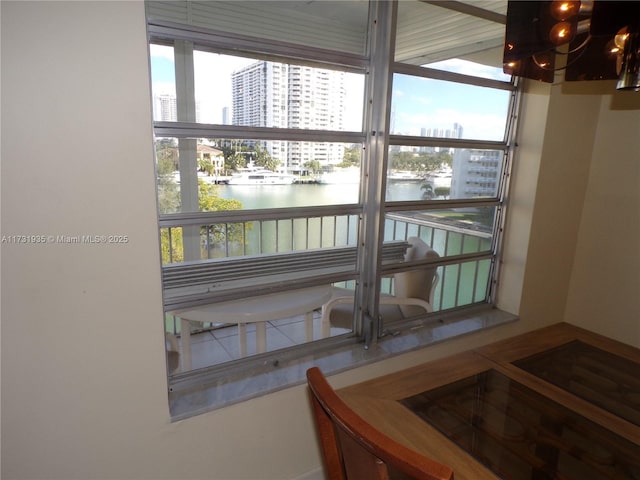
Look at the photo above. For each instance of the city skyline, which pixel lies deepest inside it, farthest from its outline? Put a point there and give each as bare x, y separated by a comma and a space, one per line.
417, 103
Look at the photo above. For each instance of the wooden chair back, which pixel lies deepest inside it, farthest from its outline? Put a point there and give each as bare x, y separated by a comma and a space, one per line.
355, 450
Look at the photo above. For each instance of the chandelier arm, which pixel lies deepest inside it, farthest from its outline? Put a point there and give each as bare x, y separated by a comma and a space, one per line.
541, 66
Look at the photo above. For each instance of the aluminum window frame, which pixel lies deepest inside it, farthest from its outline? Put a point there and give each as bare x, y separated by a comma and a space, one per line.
498, 201
166, 33
372, 206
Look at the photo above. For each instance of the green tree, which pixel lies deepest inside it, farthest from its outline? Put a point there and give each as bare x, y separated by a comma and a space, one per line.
442, 191
235, 153
213, 236
168, 195
417, 162
264, 159
206, 165
166, 165
209, 201
313, 166
404, 161
166, 156
427, 190
171, 242
351, 157
445, 158
217, 236
227, 151
236, 161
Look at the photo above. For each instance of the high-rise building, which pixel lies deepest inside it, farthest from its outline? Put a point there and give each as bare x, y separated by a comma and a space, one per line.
165, 108
226, 116
267, 94
457, 131
476, 173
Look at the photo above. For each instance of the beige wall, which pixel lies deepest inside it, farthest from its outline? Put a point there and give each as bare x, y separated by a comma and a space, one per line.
564, 169
604, 293
583, 258
83, 381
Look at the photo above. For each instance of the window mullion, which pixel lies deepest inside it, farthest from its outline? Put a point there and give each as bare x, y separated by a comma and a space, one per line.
511, 136
186, 112
382, 41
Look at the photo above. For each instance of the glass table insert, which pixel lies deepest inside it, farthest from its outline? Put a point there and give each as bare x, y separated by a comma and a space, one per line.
521, 434
602, 378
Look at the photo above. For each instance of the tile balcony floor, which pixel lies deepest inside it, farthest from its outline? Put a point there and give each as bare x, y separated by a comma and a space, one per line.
221, 344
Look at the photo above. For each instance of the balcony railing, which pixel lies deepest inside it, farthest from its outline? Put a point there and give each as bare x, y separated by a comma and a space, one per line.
465, 249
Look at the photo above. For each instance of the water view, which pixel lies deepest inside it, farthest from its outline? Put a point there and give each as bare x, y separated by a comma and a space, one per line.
304, 195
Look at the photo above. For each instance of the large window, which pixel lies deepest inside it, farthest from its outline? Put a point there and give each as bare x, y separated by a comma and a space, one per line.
318, 191
258, 158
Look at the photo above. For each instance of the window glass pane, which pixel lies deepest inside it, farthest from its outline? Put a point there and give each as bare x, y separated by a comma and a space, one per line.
462, 284
435, 108
260, 236
442, 288
256, 93
163, 83
449, 232
477, 173
238, 270
232, 90
462, 39
439, 234
437, 173
221, 174
221, 332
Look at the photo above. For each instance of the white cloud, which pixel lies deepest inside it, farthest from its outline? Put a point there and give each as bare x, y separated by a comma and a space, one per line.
161, 51
421, 100
164, 88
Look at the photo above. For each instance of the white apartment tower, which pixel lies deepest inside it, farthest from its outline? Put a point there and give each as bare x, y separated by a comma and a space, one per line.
476, 173
267, 94
165, 108
226, 116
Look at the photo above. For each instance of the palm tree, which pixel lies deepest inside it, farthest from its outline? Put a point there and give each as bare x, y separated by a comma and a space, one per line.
428, 190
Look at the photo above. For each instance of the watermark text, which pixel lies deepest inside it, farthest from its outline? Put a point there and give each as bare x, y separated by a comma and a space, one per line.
83, 239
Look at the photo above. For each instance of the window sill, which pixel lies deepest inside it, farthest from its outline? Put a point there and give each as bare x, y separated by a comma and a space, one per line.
270, 376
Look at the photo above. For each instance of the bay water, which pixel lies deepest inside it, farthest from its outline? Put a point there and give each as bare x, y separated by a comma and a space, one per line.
306, 195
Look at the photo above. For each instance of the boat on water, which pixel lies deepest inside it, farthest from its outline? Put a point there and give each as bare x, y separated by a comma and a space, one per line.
261, 177
343, 176
441, 178
404, 176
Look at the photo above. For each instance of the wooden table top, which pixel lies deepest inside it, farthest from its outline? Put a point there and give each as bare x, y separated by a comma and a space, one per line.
378, 400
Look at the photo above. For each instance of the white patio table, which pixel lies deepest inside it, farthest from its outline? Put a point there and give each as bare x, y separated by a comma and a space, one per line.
258, 310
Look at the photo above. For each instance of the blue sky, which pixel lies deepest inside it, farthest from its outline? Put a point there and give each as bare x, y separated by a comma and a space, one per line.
424, 103
162, 69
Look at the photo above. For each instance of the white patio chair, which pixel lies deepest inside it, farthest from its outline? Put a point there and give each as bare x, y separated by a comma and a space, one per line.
414, 290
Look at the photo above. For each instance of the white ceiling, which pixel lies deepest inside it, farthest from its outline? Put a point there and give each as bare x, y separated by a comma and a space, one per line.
428, 31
